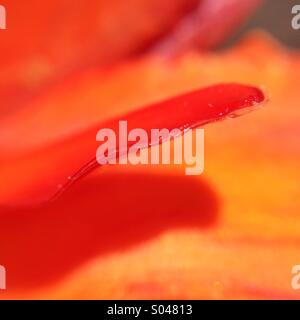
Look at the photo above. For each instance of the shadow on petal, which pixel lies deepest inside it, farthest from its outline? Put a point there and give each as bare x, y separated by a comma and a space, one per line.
97, 216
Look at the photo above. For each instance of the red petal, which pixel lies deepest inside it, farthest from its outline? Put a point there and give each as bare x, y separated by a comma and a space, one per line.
55, 166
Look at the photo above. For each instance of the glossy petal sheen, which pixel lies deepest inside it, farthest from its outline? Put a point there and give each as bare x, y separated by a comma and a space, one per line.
54, 166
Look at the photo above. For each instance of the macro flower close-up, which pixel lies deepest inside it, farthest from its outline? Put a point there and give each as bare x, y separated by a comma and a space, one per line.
77, 225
